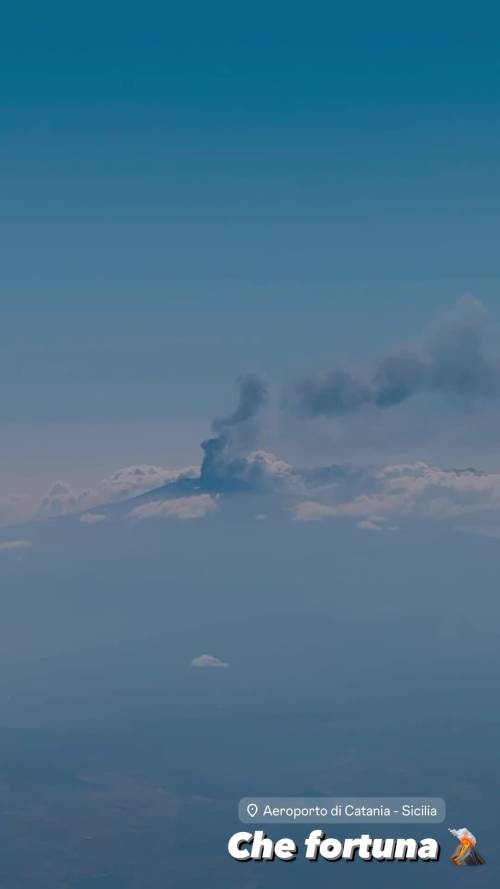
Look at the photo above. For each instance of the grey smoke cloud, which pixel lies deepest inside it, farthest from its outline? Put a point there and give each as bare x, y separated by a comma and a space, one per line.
224, 455
252, 396
453, 362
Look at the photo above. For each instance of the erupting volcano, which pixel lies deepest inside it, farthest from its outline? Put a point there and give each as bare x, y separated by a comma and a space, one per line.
465, 854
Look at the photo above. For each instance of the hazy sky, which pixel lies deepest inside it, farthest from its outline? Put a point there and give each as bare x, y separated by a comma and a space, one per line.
192, 192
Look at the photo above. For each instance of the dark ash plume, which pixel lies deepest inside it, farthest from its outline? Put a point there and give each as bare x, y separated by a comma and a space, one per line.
453, 362
252, 395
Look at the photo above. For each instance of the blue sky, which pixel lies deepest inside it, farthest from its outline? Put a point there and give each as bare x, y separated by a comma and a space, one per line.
192, 193
285, 186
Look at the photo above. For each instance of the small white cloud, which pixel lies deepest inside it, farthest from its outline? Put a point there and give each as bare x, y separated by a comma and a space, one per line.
93, 518
184, 508
207, 660
7, 545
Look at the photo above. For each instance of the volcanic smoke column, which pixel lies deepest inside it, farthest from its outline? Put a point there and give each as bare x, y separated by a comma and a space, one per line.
465, 854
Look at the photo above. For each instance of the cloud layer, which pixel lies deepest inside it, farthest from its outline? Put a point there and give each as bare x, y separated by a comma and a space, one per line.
184, 508
395, 493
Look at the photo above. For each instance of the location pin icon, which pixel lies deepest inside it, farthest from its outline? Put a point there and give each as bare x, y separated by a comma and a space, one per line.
252, 809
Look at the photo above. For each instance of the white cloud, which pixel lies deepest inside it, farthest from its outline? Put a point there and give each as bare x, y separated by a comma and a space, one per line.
207, 660
7, 545
401, 491
93, 518
60, 500
267, 465
184, 508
